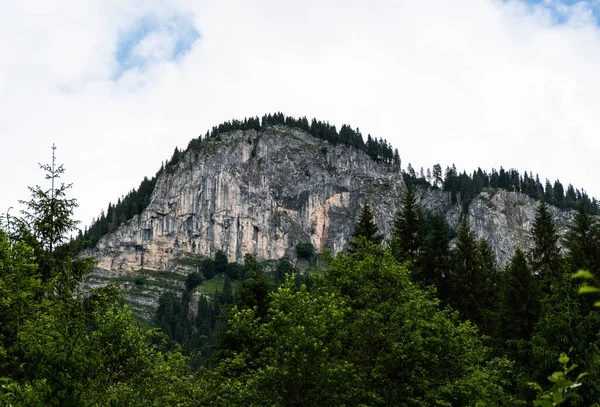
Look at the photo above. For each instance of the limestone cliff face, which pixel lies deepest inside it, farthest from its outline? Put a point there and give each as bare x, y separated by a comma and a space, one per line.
504, 219
254, 192
264, 192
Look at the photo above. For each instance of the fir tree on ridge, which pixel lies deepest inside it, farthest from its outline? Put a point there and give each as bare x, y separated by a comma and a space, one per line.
545, 254
365, 228
407, 229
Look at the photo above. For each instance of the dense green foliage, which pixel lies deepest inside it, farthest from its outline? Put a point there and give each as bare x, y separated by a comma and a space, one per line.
370, 332
194, 325
63, 347
532, 310
407, 231
305, 250
420, 323
364, 335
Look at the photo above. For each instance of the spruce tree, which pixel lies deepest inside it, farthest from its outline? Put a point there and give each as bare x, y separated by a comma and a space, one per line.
407, 230
438, 181
519, 308
220, 262
254, 290
49, 212
549, 193
48, 215
583, 242
365, 228
227, 294
570, 197
470, 282
434, 258
559, 194
545, 254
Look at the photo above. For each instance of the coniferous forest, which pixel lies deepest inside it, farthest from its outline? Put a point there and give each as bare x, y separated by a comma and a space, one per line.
405, 321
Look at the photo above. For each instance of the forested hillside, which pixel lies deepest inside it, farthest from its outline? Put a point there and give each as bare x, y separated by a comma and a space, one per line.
462, 186
417, 323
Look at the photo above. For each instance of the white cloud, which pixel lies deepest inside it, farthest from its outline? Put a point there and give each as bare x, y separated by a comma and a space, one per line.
474, 82
158, 46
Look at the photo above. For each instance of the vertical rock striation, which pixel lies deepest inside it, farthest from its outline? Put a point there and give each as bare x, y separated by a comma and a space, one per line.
254, 192
265, 191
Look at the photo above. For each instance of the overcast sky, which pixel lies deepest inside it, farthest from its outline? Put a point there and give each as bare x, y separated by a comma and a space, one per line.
118, 84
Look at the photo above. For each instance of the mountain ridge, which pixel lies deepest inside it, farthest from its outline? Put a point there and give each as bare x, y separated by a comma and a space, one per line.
339, 171
295, 183
263, 192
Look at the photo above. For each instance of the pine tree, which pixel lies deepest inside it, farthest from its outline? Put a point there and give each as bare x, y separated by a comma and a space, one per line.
545, 254
284, 268
519, 309
365, 228
559, 194
494, 179
397, 162
49, 216
488, 283
549, 194
469, 282
570, 197
583, 241
220, 262
434, 258
538, 190
227, 294
526, 184
407, 230
49, 212
438, 181
254, 291
515, 180
411, 171
503, 179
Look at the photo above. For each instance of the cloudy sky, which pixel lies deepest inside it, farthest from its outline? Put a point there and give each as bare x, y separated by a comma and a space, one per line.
118, 84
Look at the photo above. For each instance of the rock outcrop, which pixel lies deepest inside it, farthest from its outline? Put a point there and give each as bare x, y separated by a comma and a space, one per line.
263, 192
505, 220
254, 192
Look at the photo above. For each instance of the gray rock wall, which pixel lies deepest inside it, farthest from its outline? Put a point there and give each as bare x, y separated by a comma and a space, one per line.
250, 192
264, 192
504, 219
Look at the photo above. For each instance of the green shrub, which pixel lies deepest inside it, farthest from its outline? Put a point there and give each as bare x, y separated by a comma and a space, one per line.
193, 280
305, 250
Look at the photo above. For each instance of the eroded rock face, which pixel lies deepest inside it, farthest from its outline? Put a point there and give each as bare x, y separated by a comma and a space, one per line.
254, 192
264, 192
505, 219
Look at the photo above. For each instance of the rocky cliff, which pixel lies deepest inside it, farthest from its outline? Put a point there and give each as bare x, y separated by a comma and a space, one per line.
254, 192
263, 192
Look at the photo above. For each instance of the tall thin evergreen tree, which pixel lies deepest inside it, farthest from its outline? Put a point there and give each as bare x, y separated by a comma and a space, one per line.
583, 242
519, 310
365, 228
470, 283
434, 258
545, 254
407, 229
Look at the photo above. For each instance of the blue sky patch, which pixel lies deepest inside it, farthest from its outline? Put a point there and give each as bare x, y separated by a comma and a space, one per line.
153, 39
559, 16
